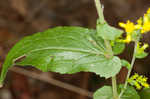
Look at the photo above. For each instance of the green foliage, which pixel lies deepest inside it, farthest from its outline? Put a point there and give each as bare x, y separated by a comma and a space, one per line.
65, 50
130, 92
118, 48
141, 55
106, 93
108, 32
68, 50
145, 93
126, 64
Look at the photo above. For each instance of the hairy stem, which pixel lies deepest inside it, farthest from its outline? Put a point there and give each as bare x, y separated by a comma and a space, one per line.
129, 71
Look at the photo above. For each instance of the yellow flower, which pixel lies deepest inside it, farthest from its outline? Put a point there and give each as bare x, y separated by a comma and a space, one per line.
128, 39
148, 11
137, 85
138, 81
132, 30
134, 76
139, 23
146, 18
129, 26
145, 85
146, 22
144, 79
146, 27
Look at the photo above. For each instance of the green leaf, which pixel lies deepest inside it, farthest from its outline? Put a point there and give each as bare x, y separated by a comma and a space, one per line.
65, 50
126, 64
106, 93
108, 32
130, 93
118, 48
141, 55
145, 93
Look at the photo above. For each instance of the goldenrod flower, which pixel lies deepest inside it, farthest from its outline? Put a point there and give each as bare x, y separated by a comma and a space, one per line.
137, 85
148, 11
144, 79
129, 26
138, 81
139, 23
146, 22
145, 85
135, 76
128, 39
131, 29
146, 18
146, 27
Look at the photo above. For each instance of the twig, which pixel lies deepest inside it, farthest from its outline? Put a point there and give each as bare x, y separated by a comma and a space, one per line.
84, 84
51, 81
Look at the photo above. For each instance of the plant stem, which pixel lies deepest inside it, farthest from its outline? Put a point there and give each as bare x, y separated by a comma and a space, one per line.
114, 86
108, 46
129, 71
100, 11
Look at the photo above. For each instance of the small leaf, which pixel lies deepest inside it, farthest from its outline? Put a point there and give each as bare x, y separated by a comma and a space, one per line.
145, 93
126, 64
108, 32
141, 55
130, 93
118, 48
104, 93
65, 50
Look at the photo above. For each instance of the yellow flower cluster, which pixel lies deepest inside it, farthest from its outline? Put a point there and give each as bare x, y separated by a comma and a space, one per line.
143, 24
138, 81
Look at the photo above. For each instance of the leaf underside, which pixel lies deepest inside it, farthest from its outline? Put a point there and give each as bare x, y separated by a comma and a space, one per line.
65, 50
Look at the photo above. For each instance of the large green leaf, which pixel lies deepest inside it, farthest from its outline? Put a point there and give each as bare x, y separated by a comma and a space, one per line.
65, 50
108, 32
106, 93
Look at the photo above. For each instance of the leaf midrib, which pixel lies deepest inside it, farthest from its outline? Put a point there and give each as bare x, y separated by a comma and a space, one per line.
61, 48
68, 49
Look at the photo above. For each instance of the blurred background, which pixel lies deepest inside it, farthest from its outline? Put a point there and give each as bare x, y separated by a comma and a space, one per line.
19, 18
